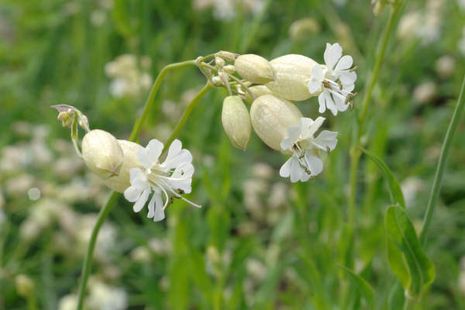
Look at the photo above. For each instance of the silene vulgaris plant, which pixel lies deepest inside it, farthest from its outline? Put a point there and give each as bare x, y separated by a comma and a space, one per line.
262, 95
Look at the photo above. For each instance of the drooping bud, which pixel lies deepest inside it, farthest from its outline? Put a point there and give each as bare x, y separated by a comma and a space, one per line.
102, 153
121, 182
230, 69
66, 118
227, 55
236, 121
254, 68
292, 74
271, 117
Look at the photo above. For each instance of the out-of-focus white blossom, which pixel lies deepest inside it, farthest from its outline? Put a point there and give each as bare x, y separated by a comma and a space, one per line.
68, 302
105, 297
425, 92
42, 215
227, 9
422, 24
129, 76
410, 188
445, 66
106, 239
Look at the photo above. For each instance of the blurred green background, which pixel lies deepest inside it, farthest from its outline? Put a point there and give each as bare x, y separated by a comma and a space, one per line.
259, 242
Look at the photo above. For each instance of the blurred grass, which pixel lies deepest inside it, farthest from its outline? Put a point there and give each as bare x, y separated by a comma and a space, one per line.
55, 52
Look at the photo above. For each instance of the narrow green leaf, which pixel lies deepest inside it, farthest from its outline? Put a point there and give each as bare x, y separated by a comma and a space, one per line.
362, 287
393, 185
406, 257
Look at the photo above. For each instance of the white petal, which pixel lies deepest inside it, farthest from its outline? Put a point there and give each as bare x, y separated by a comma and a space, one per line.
174, 150
314, 86
140, 203
137, 178
344, 63
326, 140
329, 102
159, 211
132, 193
151, 205
348, 78
332, 54
316, 124
315, 164
180, 158
296, 171
285, 168
321, 102
293, 134
150, 155
316, 80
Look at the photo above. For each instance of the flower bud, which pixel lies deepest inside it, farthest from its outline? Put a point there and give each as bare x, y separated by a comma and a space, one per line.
271, 117
227, 55
254, 68
102, 153
120, 182
230, 69
292, 74
66, 118
236, 121
256, 91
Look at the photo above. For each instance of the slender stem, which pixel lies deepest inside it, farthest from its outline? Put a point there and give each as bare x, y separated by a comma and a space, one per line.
90, 248
150, 102
361, 121
432, 202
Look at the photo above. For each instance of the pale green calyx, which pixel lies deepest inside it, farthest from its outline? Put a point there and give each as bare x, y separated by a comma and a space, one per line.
102, 153
271, 117
120, 182
236, 121
254, 69
292, 74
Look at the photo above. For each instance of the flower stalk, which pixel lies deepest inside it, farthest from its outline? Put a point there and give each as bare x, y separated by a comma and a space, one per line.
433, 198
104, 212
355, 152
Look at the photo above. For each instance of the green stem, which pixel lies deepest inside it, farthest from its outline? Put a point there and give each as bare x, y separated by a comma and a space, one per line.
150, 102
355, 152
90, 248
432, 202
185, 116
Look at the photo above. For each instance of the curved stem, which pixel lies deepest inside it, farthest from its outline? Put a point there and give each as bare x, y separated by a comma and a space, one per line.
150, 102
361, 120
432, 202
185, 116
90, 248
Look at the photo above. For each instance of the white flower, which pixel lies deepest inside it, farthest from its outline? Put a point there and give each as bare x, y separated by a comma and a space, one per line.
334, 81
306, 149
162, 180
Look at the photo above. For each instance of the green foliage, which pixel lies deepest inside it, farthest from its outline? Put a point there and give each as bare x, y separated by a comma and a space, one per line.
405, 254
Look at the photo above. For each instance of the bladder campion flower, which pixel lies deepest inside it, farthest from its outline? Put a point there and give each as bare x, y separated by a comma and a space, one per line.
162, 180
334, 81
306, 149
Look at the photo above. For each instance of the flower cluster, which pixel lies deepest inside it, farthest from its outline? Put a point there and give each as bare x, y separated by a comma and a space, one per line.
272, 88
